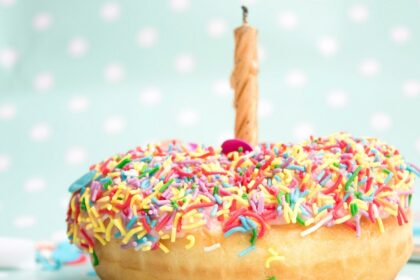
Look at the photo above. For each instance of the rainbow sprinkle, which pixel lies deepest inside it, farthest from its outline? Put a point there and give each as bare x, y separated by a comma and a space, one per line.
153, 196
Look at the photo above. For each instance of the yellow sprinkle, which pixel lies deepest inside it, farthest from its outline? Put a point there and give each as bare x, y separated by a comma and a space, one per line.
286, 213
378, 218
141, 234
192, 212
222, 212
191, 239
118, 224
108, 231
100, 239
165, 236
392, 212
273, 258
174, 226
163, 248
146, 248
128, 236
342, 219
309, 222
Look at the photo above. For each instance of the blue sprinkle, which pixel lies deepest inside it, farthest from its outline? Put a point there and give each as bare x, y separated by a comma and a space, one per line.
145, 184
83, 181
117, 235
322, 208
364, 179
416, 230
296, 167
413, 170
279, 209
285, 155
226, 185
251, 223
131, 222
146, 159
246, 251
151, 238
244, 223
276, 151
320, 175
214, 210
326, 179
277, 177
148, 219
346, 196
218, 199
153, 223
233, 230
388, 178
269, 182
304, 194
105, 180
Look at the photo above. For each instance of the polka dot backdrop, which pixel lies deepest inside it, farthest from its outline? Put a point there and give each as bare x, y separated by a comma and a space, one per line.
81, 80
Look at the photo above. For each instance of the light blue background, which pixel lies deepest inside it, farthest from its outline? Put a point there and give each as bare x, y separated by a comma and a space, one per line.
53, 128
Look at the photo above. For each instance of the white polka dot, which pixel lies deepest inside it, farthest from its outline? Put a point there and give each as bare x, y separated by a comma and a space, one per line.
4, 163
302, 131
110, 11
184, 63
78, 104
7, 111
296, 79
75, 155
262, 53
265, 108
42, 21
380, 121
24, 221
222, 88
7, 3
358, 13
147, 37
216, 27
43, 82
418, 145
188, 117
59, 236
411, 88
8, 57
328, 46
40, 132
400, 34
114, 73
179, 5
287, 20
369, 67
35, 184
78, 47
150, 96
337, 99
114, 125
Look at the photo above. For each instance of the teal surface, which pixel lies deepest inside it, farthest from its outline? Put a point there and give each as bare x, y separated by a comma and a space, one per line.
81, 80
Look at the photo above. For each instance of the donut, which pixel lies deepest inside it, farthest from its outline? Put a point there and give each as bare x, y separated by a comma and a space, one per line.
335, 206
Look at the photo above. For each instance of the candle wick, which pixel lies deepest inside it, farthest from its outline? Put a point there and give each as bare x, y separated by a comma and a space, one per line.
244, 14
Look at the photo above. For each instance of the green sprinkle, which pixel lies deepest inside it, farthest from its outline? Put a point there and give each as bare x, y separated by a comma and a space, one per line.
175, 204
153, 171
409, 199
95, 259
336, 164
83, 205
354, 209
107, 184
352, 177
271, 278
258, 165
287, 196
278, 197
245, 196
358, 194
194, 186
254, 236
166, 185
122, 163
386, 171
215, 190
240, 149
300, 220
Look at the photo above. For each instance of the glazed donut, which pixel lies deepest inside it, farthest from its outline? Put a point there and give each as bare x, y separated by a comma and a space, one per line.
336, 206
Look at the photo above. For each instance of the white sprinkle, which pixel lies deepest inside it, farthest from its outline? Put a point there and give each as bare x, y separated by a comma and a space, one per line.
212, 247
317, 226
